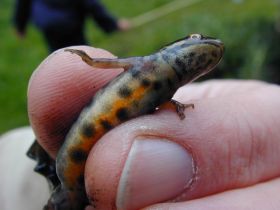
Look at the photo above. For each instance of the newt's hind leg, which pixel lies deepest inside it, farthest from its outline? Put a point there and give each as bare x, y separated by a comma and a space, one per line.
177, 106
103, 62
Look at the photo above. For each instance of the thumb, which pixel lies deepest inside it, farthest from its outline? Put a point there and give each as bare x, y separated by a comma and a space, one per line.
222, 144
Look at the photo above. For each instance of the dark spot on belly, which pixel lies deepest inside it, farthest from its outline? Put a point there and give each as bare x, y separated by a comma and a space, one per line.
135, 73
78, 155
124, 92
145, 82
88, 130
192, 54
106, 124
208, 63
122, 114
214, 54
157, 85
190, 61
181, 65
202, 58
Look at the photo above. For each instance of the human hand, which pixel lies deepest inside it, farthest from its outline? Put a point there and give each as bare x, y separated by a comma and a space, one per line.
123, 24
224, 154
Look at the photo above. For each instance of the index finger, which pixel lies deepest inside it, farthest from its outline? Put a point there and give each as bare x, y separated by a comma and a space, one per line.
59, 89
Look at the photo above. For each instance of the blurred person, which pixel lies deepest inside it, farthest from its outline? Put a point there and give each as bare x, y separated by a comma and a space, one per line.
62, 22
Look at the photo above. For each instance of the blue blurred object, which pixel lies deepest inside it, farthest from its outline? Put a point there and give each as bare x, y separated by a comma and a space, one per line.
62, 21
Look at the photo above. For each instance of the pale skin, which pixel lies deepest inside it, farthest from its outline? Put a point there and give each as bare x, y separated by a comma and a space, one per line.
232, 135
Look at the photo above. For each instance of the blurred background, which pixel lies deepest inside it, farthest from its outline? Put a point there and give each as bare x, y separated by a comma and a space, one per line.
250, 30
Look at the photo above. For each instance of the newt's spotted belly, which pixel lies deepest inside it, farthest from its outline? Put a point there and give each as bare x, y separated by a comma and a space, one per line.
146, 83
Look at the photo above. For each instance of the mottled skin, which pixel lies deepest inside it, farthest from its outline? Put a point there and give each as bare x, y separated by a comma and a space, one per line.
146, 83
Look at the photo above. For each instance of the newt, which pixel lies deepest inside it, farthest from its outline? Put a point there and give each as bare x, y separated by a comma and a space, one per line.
146, 83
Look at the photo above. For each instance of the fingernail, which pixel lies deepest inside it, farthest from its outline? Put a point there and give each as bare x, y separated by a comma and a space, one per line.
156, 170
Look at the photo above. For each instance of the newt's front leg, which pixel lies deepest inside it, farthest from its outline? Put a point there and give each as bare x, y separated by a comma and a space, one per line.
177, 106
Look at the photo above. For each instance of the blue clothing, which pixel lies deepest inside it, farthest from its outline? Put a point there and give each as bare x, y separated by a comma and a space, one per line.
62, 21
45, 16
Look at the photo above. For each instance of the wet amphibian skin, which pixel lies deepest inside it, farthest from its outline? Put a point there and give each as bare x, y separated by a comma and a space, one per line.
146, 83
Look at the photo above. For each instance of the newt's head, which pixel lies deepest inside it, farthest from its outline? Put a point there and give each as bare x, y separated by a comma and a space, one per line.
193, 56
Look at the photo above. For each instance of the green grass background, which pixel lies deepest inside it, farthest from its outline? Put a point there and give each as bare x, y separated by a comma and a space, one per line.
248, 30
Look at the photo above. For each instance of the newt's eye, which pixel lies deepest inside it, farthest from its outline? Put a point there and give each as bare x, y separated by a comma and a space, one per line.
195, 36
